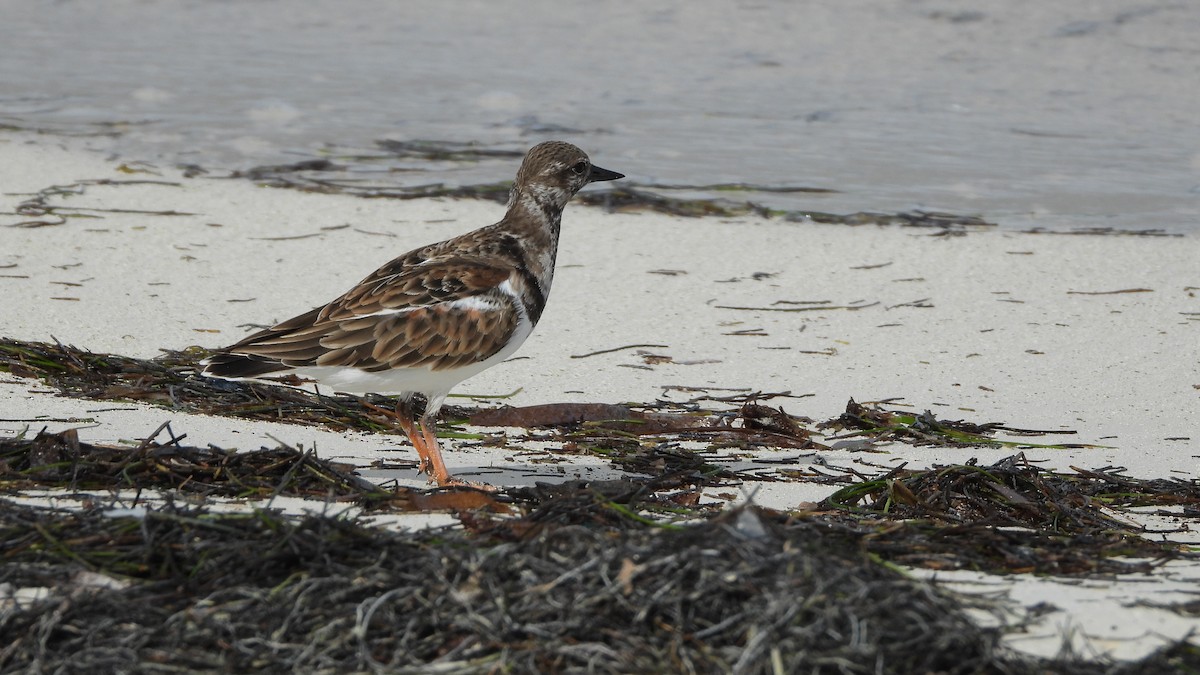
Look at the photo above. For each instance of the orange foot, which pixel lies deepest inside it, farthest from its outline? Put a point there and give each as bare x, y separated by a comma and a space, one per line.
426, 445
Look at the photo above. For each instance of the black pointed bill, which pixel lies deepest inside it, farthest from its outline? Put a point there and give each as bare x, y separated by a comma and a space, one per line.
599, 174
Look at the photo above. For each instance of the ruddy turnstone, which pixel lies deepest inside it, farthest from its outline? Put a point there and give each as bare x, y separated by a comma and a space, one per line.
434, 316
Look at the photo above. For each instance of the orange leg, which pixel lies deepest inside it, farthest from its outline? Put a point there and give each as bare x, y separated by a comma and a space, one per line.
426, 445
404, 415
439, 473
417, 440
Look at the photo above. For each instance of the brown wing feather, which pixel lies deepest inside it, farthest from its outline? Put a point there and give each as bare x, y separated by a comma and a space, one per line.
414, 281
401, 316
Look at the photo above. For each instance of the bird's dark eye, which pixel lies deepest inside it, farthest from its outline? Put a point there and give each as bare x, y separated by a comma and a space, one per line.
579, 168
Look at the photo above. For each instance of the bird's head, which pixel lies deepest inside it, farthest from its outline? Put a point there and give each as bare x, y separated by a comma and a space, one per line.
554, 171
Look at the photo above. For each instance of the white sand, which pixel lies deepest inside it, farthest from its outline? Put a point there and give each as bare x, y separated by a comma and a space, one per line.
1008, 327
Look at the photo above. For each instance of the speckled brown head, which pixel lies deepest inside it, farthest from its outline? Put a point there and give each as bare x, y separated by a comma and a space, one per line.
554, 171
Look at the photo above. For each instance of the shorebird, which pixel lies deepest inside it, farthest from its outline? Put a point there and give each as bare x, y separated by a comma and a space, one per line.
432, 317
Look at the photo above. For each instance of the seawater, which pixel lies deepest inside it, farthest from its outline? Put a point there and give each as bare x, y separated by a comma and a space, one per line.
1060, 115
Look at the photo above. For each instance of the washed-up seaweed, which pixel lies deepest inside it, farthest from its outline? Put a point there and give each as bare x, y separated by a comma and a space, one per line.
174, 590
441, 151
326, 176
43, 213
182, 588
954, 517
311, 177
1106, 232
633, 575
944, 222
617, 430
1013, 517
170, 380
1008, 517
969, 492
63, 461
876, 423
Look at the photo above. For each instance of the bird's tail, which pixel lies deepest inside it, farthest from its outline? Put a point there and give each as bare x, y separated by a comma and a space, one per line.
240, 366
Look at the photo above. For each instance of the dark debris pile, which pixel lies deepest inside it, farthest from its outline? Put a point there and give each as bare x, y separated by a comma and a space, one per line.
173, 590
63, 461
325, 176
747, 591
1014, 517
877, 424
643, 574
171, 381
1008, 517
1014, 492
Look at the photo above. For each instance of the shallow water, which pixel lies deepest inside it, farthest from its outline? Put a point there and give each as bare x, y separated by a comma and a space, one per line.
1053, 115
